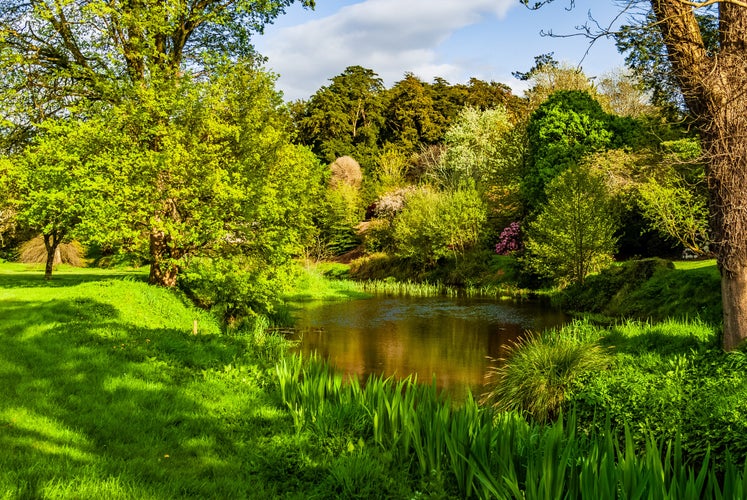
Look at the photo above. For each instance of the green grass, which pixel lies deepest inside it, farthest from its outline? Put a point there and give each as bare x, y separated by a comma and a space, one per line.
649, 289
323, 282
107, 394
697, 264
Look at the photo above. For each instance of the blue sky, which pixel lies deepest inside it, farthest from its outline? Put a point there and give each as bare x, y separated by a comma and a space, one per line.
453, 39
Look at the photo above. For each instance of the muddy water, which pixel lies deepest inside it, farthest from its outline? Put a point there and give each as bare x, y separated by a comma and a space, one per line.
448, 338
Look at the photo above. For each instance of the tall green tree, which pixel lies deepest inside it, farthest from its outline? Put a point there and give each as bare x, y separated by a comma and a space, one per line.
228, 179
55, 187
646, 55
344, 117
57, 55
412, 119
568, 125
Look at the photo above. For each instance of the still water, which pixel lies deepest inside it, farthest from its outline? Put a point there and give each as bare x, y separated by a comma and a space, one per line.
449, 338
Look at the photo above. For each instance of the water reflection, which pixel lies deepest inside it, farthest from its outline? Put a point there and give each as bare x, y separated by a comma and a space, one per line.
442, 337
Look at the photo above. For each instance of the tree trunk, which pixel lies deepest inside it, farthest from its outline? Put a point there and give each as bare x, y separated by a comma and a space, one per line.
714, 89
726, 148
734, 298
51, 243
162, 271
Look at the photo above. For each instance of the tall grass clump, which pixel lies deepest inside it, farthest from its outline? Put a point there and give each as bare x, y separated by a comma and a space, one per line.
35, 252
536, 375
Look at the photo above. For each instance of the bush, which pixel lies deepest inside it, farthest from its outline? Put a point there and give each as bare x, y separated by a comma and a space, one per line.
510, 239
648, 289
536, 376
670, 380
342, 213
434, 225
599, 291
234, 288
345, 170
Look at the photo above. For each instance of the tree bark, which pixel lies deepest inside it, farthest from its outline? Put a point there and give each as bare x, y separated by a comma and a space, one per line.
162, 271
51, 243
714, 90
734, 293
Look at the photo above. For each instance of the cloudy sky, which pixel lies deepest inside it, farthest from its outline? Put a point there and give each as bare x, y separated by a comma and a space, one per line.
453, 39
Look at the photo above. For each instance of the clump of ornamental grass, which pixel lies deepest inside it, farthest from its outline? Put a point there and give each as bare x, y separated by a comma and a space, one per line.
536, 374
34, 252
346, 170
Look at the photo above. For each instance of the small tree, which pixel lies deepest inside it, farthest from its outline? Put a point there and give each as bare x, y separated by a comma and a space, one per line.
438, 224
53, 186
674, 200
482, 147
574, 234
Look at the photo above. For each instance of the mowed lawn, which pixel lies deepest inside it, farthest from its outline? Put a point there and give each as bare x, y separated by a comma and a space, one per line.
106, 393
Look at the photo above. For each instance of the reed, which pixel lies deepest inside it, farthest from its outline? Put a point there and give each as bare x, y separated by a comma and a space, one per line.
501, 455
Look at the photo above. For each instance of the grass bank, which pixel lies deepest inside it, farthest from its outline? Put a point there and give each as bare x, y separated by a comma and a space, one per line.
651, 289
107, 393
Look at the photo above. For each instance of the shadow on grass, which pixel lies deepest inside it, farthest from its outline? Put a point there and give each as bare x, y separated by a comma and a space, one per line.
34, 278
86, 398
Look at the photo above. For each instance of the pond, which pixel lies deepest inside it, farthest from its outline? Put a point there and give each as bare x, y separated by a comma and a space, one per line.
449, 338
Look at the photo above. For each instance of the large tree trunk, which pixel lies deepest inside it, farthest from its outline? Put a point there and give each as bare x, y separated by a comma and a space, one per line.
162, 271
714, 87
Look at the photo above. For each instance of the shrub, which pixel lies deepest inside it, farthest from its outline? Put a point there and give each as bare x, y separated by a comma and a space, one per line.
342, 213
345, 170
599, 291
537, 373
438, 224
234, 288
509, 240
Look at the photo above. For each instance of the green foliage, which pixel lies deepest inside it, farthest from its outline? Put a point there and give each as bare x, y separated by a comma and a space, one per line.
235, 289
646, 55
342, 212
565, 127
345, 117
670, 380
411, 116
574, 234
472, 451
537, 373
434, 224
55, 186
482, 148
603, 292
675, 201
693, 293
224, 178
109, 395
92, 64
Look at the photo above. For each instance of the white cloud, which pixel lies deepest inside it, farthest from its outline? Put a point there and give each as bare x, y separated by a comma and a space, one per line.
387, 36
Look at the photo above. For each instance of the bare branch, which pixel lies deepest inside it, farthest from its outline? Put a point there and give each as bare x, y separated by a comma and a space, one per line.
706, 3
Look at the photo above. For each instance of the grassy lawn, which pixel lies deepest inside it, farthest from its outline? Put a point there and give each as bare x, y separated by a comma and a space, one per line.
107, 394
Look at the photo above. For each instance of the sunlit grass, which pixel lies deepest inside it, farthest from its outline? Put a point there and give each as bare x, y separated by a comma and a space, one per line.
106, 393
695, 264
